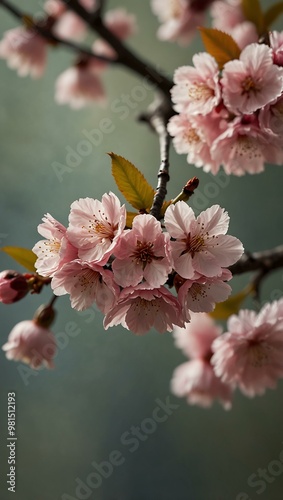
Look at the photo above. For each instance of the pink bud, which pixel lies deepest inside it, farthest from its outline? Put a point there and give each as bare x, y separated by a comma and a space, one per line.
13, 286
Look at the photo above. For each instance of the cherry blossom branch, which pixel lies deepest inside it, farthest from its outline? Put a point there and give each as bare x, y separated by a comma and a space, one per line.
125, 56
48, 35
264, 262
160, 126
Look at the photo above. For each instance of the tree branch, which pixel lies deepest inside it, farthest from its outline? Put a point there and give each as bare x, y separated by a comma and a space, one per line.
160, 126
125, 56
265, 261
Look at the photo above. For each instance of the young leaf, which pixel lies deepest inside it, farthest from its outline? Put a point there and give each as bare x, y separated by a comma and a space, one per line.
131, 183
253, 13
23, 256
272, 13
231, 306
220, 45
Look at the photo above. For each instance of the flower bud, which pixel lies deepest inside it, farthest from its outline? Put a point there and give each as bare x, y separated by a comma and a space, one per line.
13, 286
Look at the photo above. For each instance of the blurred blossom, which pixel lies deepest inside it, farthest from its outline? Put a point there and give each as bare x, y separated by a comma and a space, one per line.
24, 51
32, 344
195, 380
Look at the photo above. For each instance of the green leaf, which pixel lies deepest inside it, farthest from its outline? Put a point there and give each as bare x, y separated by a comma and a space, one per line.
220, 45
272, 13
23, 256
253, 12
131, 182
231, 306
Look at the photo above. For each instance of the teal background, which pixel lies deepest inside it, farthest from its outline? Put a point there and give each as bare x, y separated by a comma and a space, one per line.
106, 382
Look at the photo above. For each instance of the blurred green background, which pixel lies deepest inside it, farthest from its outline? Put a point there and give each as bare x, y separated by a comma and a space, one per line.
107, 382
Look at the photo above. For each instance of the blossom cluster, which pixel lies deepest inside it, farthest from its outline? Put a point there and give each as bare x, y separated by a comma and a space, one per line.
81, 84
97, 259
231, 117
248, 356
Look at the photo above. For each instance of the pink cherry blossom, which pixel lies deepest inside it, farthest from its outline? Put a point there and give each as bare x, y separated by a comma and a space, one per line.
201, 244
276, 44
197, 89
143, 253
179, 18
54, 8
244, 34
13, 286
24, 51
79, 86
252, 81
250, 354
55, 250
32, 344
271, 117
95, 227
87, 284
195, 136
244, 148
140, 308
68, 24
196, 338
196, 379
227, 14
121, 23
201, 294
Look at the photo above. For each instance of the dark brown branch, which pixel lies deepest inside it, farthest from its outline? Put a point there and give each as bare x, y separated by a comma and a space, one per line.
265, 261
125, 56
160, 126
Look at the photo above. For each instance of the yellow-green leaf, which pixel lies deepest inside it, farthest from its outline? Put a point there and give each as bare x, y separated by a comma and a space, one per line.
231, 306
23, 256
272, 13
130, 218
253, 12
220, 45
164, 207
131, 182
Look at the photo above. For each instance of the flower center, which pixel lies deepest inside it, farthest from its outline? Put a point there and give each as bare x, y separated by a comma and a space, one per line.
249, 85
87, 278
143, 253
53, 246
175, 9
199, 92
102, 229
197, 292
259, 354
191, 136
194, 243
247, 147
